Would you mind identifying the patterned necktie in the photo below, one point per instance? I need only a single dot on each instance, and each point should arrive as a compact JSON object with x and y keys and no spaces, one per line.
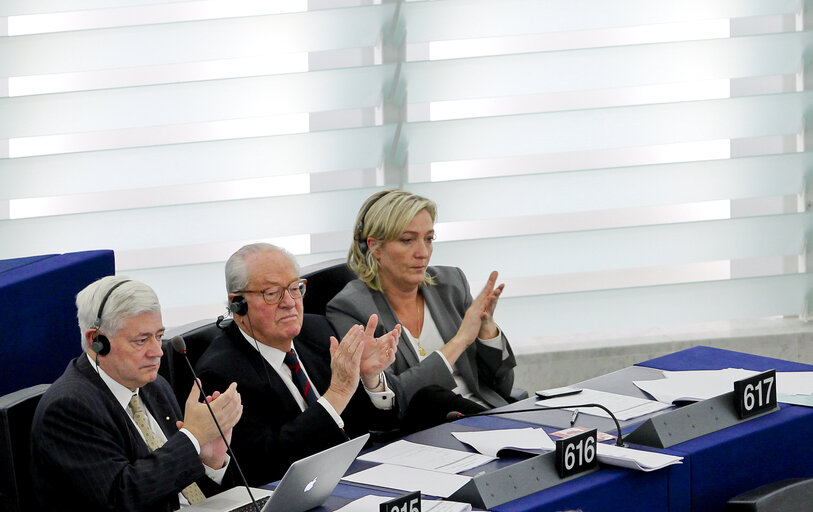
{"x":299,"y":377}
{"x":192,"y":493}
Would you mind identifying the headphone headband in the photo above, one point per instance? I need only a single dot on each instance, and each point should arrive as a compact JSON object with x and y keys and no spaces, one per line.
{"x":98,"y":322}
{"x":360,"y":227}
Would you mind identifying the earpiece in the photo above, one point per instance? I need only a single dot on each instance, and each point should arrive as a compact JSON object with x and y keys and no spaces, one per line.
{"x":101,"y":344}
{"x":239,"y":305}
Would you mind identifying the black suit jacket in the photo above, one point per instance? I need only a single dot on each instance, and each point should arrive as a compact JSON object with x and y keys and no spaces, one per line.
{"x":87,"y":454}
{"x":273,"y":431}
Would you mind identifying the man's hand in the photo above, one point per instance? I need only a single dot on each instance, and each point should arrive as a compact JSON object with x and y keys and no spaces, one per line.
{"x":213,"y":453}
{"x":345,"y":363}
{"x":226,"y":406}
{"x":379,"y":353}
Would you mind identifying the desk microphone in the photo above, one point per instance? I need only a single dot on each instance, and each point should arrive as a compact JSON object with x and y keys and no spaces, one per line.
{"x":179,"y":345}
{"x":454,"y":415}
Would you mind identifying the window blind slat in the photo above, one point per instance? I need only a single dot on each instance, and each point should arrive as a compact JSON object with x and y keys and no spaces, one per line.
{"x":160,"y":44}
{"x":657,"y":306}
{"x":605,"y":68}
{"x":629,"y":248}
{"x":462,"y":19}
{"x":584,"y":130}
{"x":178,"y":164}
{"x":599,"y":189}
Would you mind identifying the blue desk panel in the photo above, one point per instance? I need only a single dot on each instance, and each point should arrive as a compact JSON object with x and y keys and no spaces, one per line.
{"x":709,"y":358}
{"x":608,"y":490}
{"x":723,"y":464}
{"x":37,"y":308}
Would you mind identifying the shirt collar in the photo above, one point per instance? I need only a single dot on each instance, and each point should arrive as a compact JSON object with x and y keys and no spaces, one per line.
{"x":274,"y":356}
{"x":120,"y":392}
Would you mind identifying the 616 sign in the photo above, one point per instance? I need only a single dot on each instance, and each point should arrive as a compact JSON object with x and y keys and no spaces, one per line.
{"x":576,"y":453}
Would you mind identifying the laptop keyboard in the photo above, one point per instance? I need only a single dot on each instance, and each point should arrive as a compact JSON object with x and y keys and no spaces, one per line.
{"x":249,"y":507}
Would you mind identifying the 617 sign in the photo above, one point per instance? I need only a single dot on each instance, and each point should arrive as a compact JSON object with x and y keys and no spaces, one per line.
{"x":577,"y":453}
{"x":755,"y":394}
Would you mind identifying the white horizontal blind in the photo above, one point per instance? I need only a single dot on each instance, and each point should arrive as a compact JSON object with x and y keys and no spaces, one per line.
{"x":626,"y":164}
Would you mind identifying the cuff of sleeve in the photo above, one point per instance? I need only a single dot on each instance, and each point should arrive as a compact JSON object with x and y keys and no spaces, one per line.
{"x":445,"y":361}
{"x":217,"y":474}
{"x":330,"y":410}
{"x":498,"y":342}
{"x":382,"y":397}
{"x":495,"y":342}
{"x":193,"y":439}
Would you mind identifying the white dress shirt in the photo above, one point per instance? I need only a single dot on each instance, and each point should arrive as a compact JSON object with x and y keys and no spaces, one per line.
{"x":431,"y":341}
{"x":123,"y":395}
{"x":382,"y":397}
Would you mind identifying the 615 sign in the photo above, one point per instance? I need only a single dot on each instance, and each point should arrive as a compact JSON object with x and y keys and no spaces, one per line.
{"x":576,"y":453}
{"x":755,"y":394}
{"x":407,"y":503}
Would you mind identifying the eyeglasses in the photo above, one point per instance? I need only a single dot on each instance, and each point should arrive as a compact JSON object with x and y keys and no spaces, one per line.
{"x":272,"y":296}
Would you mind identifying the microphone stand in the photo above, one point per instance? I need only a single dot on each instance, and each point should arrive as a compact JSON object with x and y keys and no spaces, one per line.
{"x":454,"y":415}
{"x":179,"y":345}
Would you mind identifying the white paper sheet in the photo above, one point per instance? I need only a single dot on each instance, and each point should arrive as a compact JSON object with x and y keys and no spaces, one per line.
{"x":624,"y":407}
{"x":371,"y":502}
{"x":410,"y":479}
{"x":794,"y":383}
{"x":489,"y":442}
{"x":635,"y":459}
{"x":421,"y":456}
{"x":703,"y":384}
{"x":692,"y":385}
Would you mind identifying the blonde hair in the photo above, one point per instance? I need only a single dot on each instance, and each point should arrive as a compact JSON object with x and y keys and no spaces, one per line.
{"x":384,"y":216}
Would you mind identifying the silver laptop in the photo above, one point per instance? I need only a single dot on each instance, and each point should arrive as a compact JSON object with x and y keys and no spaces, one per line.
{"x":307,"y":484}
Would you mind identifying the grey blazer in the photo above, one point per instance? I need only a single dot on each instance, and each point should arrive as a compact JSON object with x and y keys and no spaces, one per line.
{"x":488,"y":375}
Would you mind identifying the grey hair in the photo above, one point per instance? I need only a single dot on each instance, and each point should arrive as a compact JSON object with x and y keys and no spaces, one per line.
{"x":128,"y":300}
{"x":237,"y":269}
{"x":384,"y":216}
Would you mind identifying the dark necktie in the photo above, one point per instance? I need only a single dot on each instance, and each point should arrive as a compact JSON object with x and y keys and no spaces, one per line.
{"x":299,"y":377}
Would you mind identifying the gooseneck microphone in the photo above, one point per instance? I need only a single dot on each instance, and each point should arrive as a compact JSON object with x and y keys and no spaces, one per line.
{"x":179,"y":345}
{"x":454,"y":415}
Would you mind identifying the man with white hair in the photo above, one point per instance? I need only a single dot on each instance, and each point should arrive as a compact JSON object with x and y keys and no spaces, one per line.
{"x":109,"y":434}
{"x":303,"y":390}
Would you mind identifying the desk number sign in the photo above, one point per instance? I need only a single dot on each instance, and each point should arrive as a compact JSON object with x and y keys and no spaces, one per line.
{"x":407,"y":503}
{"x":755,"y":394}
{"x":576,"y":453}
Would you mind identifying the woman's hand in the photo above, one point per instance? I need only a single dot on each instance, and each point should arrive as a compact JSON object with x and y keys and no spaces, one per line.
{"x":488,"y":327}
{"x":477,"y":322}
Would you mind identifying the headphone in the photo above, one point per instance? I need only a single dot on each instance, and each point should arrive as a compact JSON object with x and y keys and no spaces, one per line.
{"x":363,"y":247}
{"x":101,"y":345}
{"x":238,"y":305}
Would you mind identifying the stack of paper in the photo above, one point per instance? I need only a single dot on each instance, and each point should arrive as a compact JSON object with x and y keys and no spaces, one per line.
{"x":409,"y":479}
{"x":635,"y":459}
{"x":624,"y":407}
{"x":699,"y":385}
{"x":421,"y":456}
{"x":490,"y":442}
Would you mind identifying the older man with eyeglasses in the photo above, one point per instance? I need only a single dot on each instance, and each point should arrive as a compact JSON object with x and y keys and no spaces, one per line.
{"x":300,"y":387}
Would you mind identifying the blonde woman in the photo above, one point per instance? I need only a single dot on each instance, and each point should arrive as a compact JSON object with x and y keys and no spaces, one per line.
{"x":449,"y":340}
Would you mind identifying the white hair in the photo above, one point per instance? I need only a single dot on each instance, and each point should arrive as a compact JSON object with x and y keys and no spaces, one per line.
{"x":127,"y":300}
{"x":236,"y":267}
